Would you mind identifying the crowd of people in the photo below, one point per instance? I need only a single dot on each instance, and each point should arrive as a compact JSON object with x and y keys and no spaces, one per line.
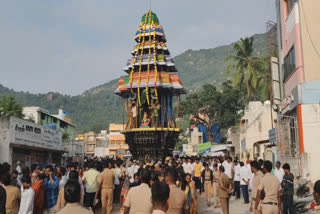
{"x":171,"y":186}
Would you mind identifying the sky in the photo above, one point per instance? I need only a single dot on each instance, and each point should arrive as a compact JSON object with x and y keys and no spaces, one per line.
{"x":69,"y":46}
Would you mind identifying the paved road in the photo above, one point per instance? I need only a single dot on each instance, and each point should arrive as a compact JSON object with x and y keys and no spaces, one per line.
{"x":236,"y":207}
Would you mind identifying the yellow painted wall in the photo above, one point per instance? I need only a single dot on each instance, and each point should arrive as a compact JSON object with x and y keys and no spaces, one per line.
{"x":310,"y":34}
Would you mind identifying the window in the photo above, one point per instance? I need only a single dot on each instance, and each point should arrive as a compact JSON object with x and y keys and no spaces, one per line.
{"x":54,"y":120}
{"x":289,"y":63}
{"x":290,"y":4}
{"x":63,"y":124}
{"x":43,"y":116}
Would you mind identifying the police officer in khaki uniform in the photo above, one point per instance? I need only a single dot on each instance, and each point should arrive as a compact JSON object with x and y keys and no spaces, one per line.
{"x":207,"y":177}
{"x":72,"y":195}
{"x":258,"y":175}
{"x":138,"y":199}
{"x":177,"y":198}
{"x":216,"y":177}
{"x":271,"y":187}
{"x":224,"y":190}
{"x":106,"y":185}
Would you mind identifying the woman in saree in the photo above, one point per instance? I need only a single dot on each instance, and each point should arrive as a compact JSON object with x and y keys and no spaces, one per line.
{"x":194,"y":199}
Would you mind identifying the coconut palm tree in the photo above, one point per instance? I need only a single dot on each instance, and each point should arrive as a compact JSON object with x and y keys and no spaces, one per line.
{"x":245,"y":68}
{"x":10,"y":107}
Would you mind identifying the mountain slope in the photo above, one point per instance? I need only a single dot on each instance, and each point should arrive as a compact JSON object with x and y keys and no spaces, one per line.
{"x":98,"y":106}
{"x":208,"y":65}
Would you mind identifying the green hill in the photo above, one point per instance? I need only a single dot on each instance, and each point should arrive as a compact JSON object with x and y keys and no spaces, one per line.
{"x":98,"y":106}
{"x":208,"y":65}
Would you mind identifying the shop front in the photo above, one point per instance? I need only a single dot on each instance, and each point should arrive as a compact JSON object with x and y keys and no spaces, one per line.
{"x":29,"y":143}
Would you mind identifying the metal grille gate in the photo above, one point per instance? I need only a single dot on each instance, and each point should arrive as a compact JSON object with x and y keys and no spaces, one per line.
{"x":288,"y":143}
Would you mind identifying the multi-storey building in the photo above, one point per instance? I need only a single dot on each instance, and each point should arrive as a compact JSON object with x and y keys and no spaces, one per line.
{"x":117,"y":141}
{"x":299,"y":109}
{"x":29,"y":143}
{"x":90,"y":143}
{"x":254,"y":136}
{"x":59,"y":122}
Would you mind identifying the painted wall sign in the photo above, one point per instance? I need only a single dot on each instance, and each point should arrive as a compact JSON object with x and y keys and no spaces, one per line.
{"x":204,"y":146}
{"x":30,"y":134}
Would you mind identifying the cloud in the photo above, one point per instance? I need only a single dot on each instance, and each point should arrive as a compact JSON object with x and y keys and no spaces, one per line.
{"x":70,"y":46}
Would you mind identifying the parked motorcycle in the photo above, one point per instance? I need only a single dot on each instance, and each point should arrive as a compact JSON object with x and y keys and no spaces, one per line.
{"x":304,"y":200}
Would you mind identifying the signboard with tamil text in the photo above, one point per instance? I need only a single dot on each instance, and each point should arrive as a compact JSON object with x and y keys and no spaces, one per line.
{"x":30,"y":134}
{"x":273,"y":135}
{"x":204,"y":147}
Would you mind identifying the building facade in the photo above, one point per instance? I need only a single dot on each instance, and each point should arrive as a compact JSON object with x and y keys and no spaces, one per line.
{"x":59,"y":122}
{"x":233,"y":138}
{"x":102,"y":143}
{"x":196,"y":137}
{"x":95,"y":144}
{"x":254,"y":127}
{"x":74,"y":152}
{"x":29,"y":143}
{"x":90,"y":143}
{"x":117,"y":141}
{"x":299,"y":64}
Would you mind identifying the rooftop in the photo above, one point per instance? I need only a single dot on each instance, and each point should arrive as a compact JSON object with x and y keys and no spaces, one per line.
{"x":38,"y":109}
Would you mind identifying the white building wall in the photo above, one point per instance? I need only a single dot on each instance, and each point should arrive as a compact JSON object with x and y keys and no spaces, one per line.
{"x":256,"y":128}
{"x":311,"y":139}
{"x":5,"y":152}
{"x":31,"y":112}
{"x":196,"y":137}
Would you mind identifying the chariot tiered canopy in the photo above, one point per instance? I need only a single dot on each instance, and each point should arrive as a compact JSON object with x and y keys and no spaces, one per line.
{"x":150,"y":88}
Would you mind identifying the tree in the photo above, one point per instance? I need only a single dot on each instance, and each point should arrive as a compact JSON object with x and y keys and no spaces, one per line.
{"x":263,"y":87}
{"x":65,"y":137}
{"x":211,"y":106}
{"x":31,"y":119}
{"x":246,"y":68}
{"x":10,"y":107}
{"x":182,"y":140}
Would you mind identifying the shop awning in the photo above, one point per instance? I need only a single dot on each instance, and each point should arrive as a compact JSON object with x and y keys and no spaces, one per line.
{"x":37,"y":148}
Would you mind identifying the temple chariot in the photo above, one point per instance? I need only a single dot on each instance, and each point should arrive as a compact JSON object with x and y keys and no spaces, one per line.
{"x":150,"y":94}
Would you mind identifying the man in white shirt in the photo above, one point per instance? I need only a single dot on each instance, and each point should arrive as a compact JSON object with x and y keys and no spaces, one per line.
{"x":27,"y":196}
{"x":278,"y":171}
{"x":236,"y":180}
{"x":193,"y":163}
{"x":227,"y":164}
{"x":249,"y":166}
{"x":184,"y":165}
{"x":132,"y":170}
{"x":64,"y":178}
{"x":248,"y":162}
{"x":189,"y":167}
{"x":136,"y":166}
{"x":90,"y":179}
{"x":244,"y":182}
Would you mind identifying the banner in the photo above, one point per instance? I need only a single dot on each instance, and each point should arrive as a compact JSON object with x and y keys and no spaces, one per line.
{"x":184,"y":147}
{"x":204,"y":146}
{"x":30,"y":134}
